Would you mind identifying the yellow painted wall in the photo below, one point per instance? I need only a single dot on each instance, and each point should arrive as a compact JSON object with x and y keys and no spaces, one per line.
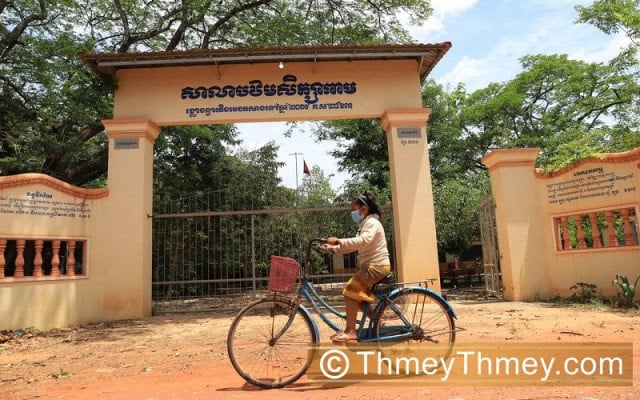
{"x":117,"y":283}
{"x":156,"y":93}
{"x":48,"y":302}
{"x":527,"y":200}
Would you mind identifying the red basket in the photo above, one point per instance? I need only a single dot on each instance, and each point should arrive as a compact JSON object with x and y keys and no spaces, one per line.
{"x":283,"y":274}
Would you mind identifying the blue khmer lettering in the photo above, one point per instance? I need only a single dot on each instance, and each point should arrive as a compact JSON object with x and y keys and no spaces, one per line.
{"x":255,"y":88}
{"x":43,"y":195}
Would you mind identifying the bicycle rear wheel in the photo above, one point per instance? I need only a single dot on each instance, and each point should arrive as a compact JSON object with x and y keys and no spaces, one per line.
{"x":264,"y":350}
{"x":427,"y":321}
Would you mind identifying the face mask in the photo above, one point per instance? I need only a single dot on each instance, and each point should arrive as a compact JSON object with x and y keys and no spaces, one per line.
{"x":356,"y":216}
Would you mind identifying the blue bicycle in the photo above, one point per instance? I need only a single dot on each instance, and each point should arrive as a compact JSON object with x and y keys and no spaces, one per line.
{"x":269,"y":340}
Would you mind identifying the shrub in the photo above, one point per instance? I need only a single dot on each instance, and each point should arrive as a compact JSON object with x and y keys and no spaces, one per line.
{"x":583,"y":292}
{"x":626,"y":291}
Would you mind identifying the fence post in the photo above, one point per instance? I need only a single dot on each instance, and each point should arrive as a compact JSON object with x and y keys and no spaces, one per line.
{"x":253,"y":254}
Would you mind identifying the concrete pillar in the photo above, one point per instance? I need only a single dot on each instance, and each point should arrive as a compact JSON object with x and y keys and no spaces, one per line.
{"x":521,"y":224}
{"x":413,"y":215}
{"x":127,"y":289}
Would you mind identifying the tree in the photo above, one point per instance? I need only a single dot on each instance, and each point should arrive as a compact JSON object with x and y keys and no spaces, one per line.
{"x":457,"y":202}
{"x":316,"y":191}
{"x":459,"y":180}
{"x":553,"y":104}
{"x":569,"y":108}
{"x":51,"y":105}
{"x":613,"y":16}
{"x":362,"y":148}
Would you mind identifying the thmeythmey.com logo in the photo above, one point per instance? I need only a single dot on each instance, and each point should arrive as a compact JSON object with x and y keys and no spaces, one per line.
{"x":477,"y":364}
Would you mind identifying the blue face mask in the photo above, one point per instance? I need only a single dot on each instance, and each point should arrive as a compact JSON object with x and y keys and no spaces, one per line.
{"x":356,"y":216}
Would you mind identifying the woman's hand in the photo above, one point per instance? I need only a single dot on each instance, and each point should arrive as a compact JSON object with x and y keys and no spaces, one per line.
{"x":332,"y":240}
{"x":329,"y":248}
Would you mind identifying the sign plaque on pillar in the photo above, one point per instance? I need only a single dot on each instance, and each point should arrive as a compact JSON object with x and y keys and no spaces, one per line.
{"x":409,"y":133}
{"x":126,"y":143}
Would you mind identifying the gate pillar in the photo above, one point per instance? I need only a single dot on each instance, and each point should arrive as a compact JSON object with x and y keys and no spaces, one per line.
{"x":414,"y":229}
{"x":520,"y":223}
{"x":127,"y":287}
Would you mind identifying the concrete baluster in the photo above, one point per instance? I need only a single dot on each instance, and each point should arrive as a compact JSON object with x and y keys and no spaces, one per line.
{"x":558,"y":234}
{"x":71,"y":258}
{"x":580,"y":232}
{"x":628,"y":229}
{"x":595,"y":231}
{"x":19,"y":272}
{"x":3,"y":245}
{"x":37,"y":261}
{"x":611,"y":232}
{"x":55,"y":260}
{"x":566,"y":238}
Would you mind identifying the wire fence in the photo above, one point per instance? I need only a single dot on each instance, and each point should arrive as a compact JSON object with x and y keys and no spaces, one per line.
{"x":211,"y":251}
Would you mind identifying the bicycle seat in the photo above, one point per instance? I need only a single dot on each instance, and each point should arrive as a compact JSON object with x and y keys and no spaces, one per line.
{"x":384,"y":285}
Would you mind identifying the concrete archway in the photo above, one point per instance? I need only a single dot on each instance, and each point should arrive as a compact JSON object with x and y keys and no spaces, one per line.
{"x":263,"y":84}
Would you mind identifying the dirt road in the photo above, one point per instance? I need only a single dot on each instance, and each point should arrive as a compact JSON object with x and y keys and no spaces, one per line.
{"x":184,"y":357}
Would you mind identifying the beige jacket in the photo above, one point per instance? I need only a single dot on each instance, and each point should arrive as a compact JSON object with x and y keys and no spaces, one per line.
{"x":370,"y":243}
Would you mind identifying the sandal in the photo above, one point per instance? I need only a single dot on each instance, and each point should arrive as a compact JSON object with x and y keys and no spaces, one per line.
{"x":344,"y":338}
{"x":336,"y":334}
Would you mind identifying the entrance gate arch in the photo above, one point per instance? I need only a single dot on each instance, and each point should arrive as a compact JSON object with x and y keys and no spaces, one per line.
{"x":219,"y":86}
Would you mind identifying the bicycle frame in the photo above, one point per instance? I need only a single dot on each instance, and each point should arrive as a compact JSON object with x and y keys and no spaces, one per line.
{"x":364,"y":334}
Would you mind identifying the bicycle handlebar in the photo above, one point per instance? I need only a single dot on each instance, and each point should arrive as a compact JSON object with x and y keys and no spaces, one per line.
{"x":315,"y":242}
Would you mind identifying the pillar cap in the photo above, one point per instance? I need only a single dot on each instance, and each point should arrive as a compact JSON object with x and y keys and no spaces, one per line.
{"x":405,"y":117}
{"x":511,"y":157}
{"x":131,"y":128}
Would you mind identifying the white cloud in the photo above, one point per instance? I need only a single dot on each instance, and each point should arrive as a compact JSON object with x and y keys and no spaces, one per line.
{"x":552,"y":32}
{"x":445,"y":7}
{"x":435,"y":25}
{"x":471,"y":71}
{"x":601,"y":51}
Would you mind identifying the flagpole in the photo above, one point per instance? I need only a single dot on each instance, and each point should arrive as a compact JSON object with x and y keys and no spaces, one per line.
{"x":296,"y":156}
{"x":300,"y":245}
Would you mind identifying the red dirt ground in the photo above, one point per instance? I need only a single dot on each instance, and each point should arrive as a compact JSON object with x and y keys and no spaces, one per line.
{"x":184,"y":357}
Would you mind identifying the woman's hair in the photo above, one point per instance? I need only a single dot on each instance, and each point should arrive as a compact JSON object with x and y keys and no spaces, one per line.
{"x":369,"y":200}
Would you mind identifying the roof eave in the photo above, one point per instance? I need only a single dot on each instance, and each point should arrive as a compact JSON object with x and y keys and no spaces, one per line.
{"x":426,"y":56}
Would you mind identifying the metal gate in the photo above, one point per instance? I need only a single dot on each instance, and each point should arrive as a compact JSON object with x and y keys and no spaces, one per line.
{"x":490,"y":251}
{"x":212,"y":250}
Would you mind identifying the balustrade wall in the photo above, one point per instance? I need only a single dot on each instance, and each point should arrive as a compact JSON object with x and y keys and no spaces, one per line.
{"x":41,"y":259}
{"x":556,"y":229}
{"x":596,"y":229}
{"x":54,"y":255}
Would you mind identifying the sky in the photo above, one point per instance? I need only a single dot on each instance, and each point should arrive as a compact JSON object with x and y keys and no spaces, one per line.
{"x":488,"y":38}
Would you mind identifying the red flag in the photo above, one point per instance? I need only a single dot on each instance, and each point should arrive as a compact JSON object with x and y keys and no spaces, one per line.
{"x":305,"y":168}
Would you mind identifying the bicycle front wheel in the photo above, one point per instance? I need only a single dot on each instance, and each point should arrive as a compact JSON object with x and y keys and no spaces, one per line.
{"x":417,"y":317}
{"x":268,"y":343}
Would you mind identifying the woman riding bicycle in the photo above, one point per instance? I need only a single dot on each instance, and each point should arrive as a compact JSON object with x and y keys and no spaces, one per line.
{"x":373,"y":260}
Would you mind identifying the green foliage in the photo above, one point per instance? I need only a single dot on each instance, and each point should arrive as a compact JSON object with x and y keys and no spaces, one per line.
{"x":362,"y":149}
{"x":626,"y":291}
{"x":569,"y":108}
{"x":51,"y":105}
{"x":613,"y":16}
{"x":457,"y":202}
{"x":583,"y":292}
{"x":316,"y":191}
